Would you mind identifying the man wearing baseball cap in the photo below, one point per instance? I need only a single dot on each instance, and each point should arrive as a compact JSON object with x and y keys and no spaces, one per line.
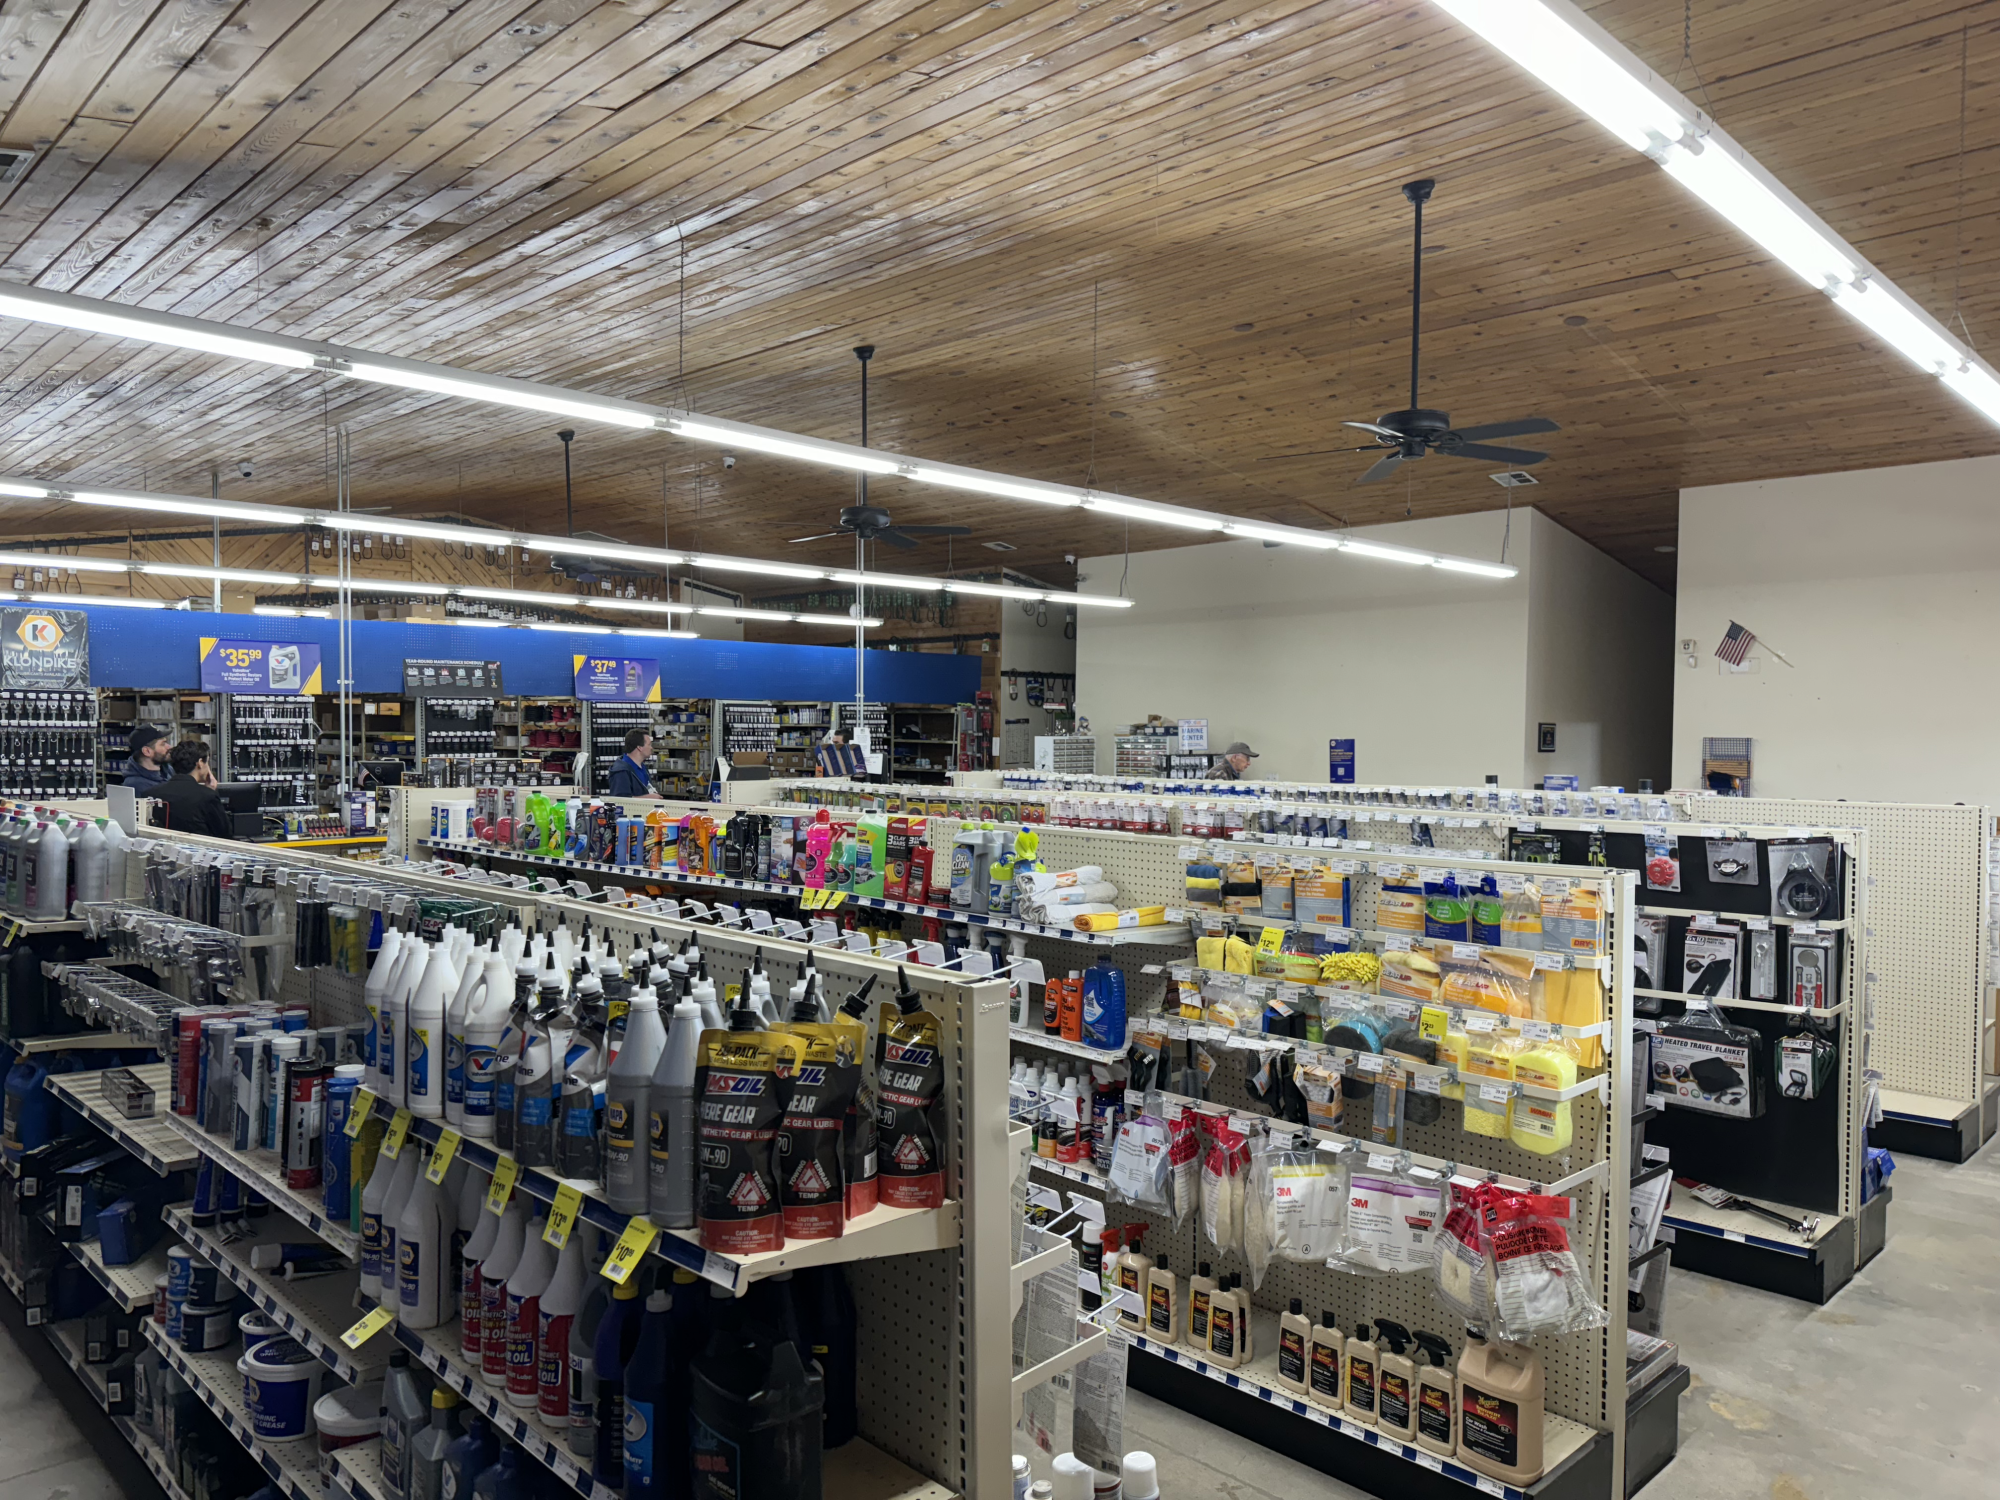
{"x":148,"y":768}
{"x":1234,"y":765}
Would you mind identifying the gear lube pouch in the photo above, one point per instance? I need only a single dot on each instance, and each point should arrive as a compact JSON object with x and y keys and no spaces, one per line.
{"x":909,"y":1068}
{"x":810,"y":1149}
{"x":739,"y":1100}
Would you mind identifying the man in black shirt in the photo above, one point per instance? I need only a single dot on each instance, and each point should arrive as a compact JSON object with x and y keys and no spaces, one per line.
{"x":192,"y":803}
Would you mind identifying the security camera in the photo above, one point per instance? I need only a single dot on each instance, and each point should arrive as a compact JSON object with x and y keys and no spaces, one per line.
{"x":246,"y":468}
{"x":729,"y":460}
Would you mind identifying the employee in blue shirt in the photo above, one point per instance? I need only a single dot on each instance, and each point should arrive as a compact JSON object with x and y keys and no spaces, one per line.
{"x":628,"y":772}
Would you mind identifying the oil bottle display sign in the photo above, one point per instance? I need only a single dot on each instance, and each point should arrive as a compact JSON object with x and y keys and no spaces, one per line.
{"x":617,"y":679}
{"x":284,"y":667}
{"x":44,"y":648}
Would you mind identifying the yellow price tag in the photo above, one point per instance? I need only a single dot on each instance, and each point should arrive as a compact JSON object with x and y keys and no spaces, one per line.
{"x":506,"y":1172}
{"x":813,"y":898}
{"x":562,"y":1216}
{"x":1433,"y":1023}
{"x":441,"y":1155}
{"x":631,"y":1248}
{"x":399,"y":1128}
{"x":1271,"y":941}
{"x":377,"y":1320}
{"x":834,"y":898}
{"x":357,"y":1114}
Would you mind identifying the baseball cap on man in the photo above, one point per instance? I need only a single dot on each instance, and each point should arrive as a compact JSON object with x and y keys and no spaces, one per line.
{"x":1239,"y":748}
{"x":143,"y":735}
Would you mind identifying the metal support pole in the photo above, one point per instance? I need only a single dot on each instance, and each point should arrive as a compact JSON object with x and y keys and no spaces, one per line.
{"x":569,"y":499}
{"x":344,"y":636}
{"x":215,"y":541}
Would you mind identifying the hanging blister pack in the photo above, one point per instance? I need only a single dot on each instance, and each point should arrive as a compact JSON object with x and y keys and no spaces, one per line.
{"x":1805,"y":879}
{"x":1463,"y":1274}
{"x":1806,"y":1065}
{"x":1295,"y":1197}
{"x":1663,"y":861}
{"x":1538,"y":1287}
{"x":1391,"y":1219}
{"x":1141,"y":1165}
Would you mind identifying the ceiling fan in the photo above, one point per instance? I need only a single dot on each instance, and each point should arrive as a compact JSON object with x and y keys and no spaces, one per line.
{"x":870,"y":523}
{"x":1416,"y":431}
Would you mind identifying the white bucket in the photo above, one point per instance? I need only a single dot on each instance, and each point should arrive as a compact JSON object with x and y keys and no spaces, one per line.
{"x":281,"y":1382}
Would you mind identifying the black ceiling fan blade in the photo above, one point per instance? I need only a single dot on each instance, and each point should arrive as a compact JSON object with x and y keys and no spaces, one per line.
{"x":935,"y":530}
{"x":1383,"y":469}
{"x":1278,"y":458}
{"x":820,"y":537}
{"x":1523,"y":456}
{"x":894,"y":538}
{"x":1519,"y":427}
{"x":1374,"y":427}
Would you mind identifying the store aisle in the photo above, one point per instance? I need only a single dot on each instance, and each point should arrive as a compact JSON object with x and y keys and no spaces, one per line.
{"x":1892,"y":1388}
{"x":43,"y":1453}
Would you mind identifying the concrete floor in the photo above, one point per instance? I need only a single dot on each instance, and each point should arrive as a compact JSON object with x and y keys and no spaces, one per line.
{"x":1894,"y":1387}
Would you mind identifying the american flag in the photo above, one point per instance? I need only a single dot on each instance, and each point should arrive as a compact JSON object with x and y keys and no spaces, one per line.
{"x":1736,"y":644}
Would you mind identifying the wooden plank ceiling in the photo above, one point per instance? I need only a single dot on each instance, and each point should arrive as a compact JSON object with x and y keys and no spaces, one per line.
{"x":1160,"y":244}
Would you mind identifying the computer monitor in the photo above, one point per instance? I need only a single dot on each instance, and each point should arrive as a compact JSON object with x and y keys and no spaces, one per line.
{"x":244,"y":801}
{"x":380,"y":773}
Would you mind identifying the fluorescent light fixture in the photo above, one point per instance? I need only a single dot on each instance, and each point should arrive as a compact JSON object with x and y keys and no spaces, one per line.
{"x":993,"y":484}
{"x":1477,"y":569}
{"x":1386,"y":554}
{"x":994,"y":590}
{"x":889,"y":581}
{"x":460,"y":620}
{"x":152,"y":328}
{"x":610,"y":551}
{"x":573,"y":629}
{"x":733,"y":613}
{"x":118,"y":599}
{"x":1285,"y":538}
{"x":168,"y":506}
{"x":510,"y":596}
{"x":667,"y":635}
{"x":434,"y":531}
{"x":848,"y":620}
{"x":751,"y":565}
{"x":500,"y":392}
{"x":225,"y":575}
{"x":640,"y":606}
{"x":1878,"y":309}
{"x":1560,"y":49}
{"x":285,"y":611}
{"x":1713,"y":172}
{"x":376,"y":586}
{"x":755,"y":440}
{"x":1107,"y":601}
{"x":55,"y":560}
{"x":1164,"y":515}
{"x":1976,"y":387}
{"x":24,"y":491}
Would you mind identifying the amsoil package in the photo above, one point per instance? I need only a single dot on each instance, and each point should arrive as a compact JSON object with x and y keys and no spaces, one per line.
{"x":825,"y":1074}
{"x":1702,"y":1062}
{"x":739,"y":1100}
{"x":909,"y":1072}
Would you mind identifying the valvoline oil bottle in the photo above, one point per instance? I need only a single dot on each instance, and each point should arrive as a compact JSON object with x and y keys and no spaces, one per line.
{"x":1104,"y":1006}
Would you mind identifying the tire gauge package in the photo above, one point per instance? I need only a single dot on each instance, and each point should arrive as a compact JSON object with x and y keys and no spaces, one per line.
{"x":1812,"y":977}
{"x":1702,"y":1062}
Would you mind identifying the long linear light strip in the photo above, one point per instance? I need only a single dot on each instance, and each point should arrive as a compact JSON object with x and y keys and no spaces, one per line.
{"x":1569,"y":52}
{"x":279,"y":515}
{"x":66,"y":310}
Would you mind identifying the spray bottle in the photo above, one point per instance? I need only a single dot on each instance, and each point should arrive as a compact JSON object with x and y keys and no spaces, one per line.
{"x":1396,"y":1392}
{"x":1437,"y":1397}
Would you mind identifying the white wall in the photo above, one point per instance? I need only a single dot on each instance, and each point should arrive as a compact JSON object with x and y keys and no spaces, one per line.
{"x":1599,"y":664}
{"x":1028,"y":643}
{"x":1883,"y":588}
{"x":1435,"y":676}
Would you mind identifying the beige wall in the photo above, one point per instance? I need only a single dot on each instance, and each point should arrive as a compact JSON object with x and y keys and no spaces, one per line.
{"x":1883,"y":588}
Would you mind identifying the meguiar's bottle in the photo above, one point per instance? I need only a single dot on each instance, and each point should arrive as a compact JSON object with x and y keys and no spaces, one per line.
{"x":1363,"y":1368}
{"x":1396,"y":1388}
{"x":1437,"y":1397}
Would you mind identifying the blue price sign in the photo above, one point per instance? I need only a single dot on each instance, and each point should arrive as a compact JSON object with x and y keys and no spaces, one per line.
{"x":259,"y":666}
{"x":1340,"y":762}
{"x":617,"y":679}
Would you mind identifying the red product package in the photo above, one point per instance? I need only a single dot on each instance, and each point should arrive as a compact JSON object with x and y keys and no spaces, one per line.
{"x":1538,"y":1287}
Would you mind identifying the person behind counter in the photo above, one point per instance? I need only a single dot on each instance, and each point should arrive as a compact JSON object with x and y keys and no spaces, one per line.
{"x":147,"y":767}
{"x":628,"y":773}
{"x":1234,"y":765}
{"x":192,"y":803}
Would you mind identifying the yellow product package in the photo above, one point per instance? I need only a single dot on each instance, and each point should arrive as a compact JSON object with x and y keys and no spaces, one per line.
{"x":1545,"y":1125}
{"x":1489,"y":1059}
{"x":1409,"y":976}
{"x":1400,"y":906}
{"x":1572,"y":916}
{"x":1208,"y":952}
{"x":1242,"y":890}
{"x":1496,"y":980}
{"x":1360,"y":970}
{"x":1238,"y":957}
{"x":1575,"y":997}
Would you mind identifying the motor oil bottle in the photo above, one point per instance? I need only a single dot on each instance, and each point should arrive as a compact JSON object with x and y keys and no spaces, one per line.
{"x":472,"y":1315}
{"x":617,"y":1337}
{"x":535,"y":1077}
{"x":470,"y":1454}
{"x":527,"y":1281}
{"x":387,"y":959}
{"x":426,"y":1460}
{"x":423,"y":1254}
{"x":423,"y":1037}
{"x":507,"y":1062}
{"x":671,"y":1124}
{"x":1326,"y":1356}
{"x":556,"y":1314}
{"x":581,"y":1397}
{"x":579,"y":1153}
{"x":1134,"y":1266}
{"x":401,"y":1181}
{"x":627,"y":1107}
{"x":374,"y":1197}
{"x":860,"y":1131}
{"x":650,"y":1454}
{"x":493,"y":1273}
{"x":1396,"y":1383}
{"x":739,"y":1094}
{"x":826,"y":1304}
{"x":484,"y":1037}
{"x":456,"y":1013}
{"x":503,"y":1479}
{"x":1363,"y":1368}
{"x":1500,"y":1414}
{"x":389,"y":1024}
{"x":1437,"y":1396}
{"x":909,"y":1071}
{"x":1201,"y":1298}
{"x":1295,"y":1348}
{"x":756,"y":1414}
{"x":702,"y":988}
{"x":1163,"y":1304}
{"x":404,"y":1415}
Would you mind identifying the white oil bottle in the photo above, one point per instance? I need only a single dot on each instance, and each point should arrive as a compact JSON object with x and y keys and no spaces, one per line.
{"x":1163,"y":1304}
{"x":1357,"y":1388}
{"x":1326,"y":1357}
{"x":1294,"y":1341}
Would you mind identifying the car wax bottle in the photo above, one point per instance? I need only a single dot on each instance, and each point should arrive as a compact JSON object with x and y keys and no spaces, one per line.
{"x":581,"y":1437}
{"x":826,"y":1307}
{"x":1223,"y":1340}
{"x":1326,"y":1355}
{"x":493,"y":1273}
{"x":557,"y":1314}
{"x":649,"y":1456}
{"x":525,"y":1284}
{"x":580,"y":1101}
{"x":671,"y":1123}
{"x":1201,"y":1298}
{"x":810,"y":1149}
{"x":1437,"y":1396}
{"x":1163,"y":1304}
{"x":860,"y":1134}
{"x":404,"y":1416}
{"x":1500,"y":1414}
{"x":627,"y":1105}
{"x":1294,"y":1340}
{"x":468,"y":1456}
{"x":427,"y":1453}
{"x":739,"y":1094}
{"x":756,"y":1414}
{"x":909,"y":1072}
{"x":1363,"y":1366}
{"x":1396,"y":1386}
{"x":617,"y":1337}
{"x":535,"y":1076}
